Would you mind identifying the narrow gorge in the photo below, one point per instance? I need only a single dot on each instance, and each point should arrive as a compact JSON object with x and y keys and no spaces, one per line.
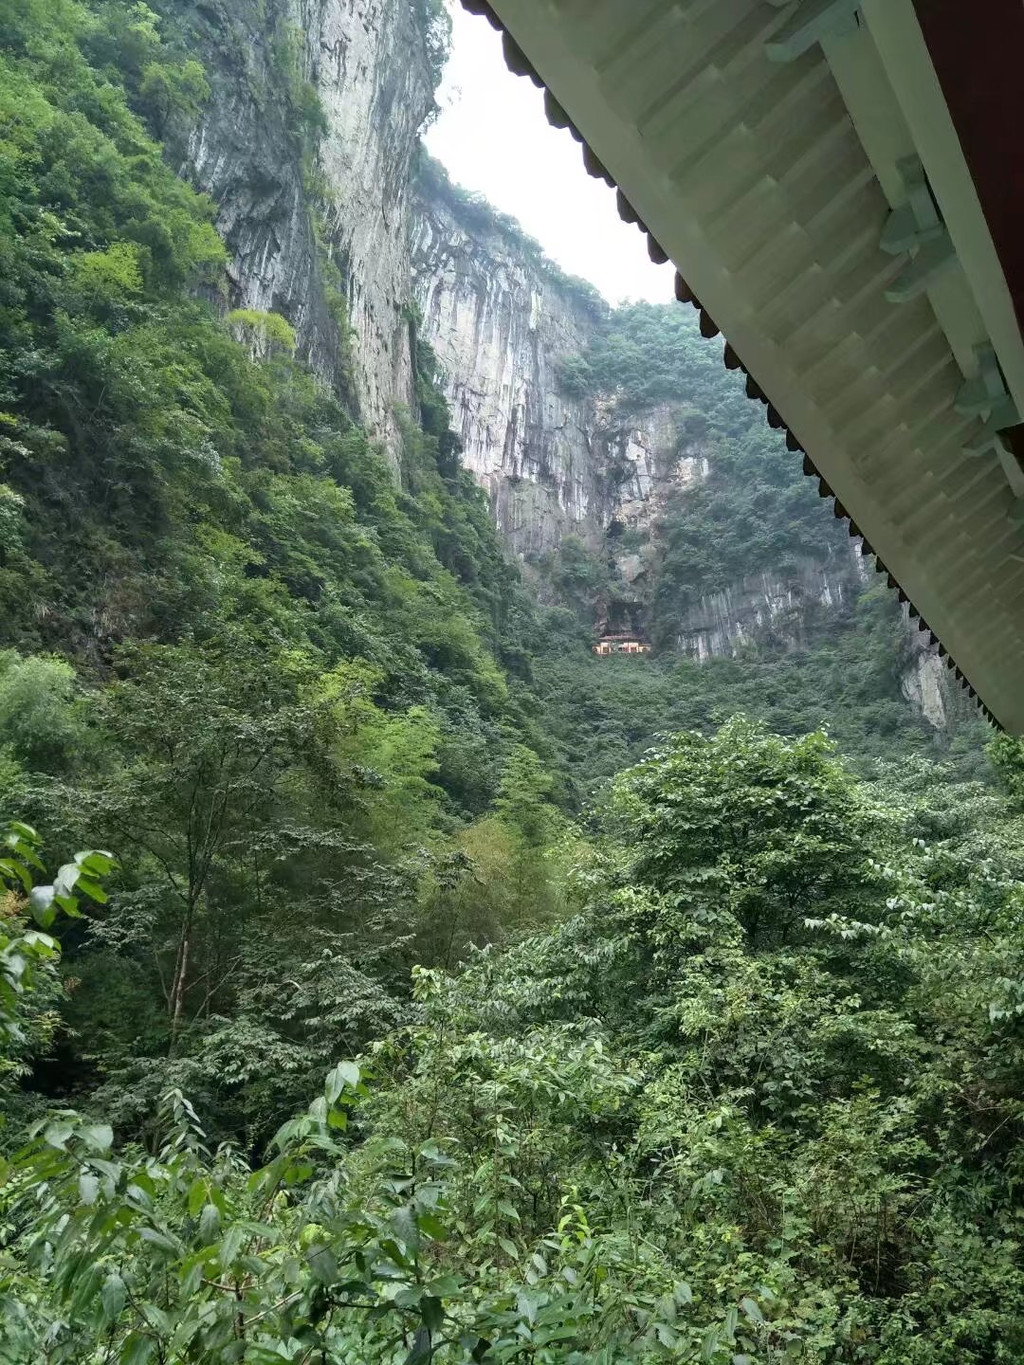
{"x":486,"y":872}
{"x":336,"y":219}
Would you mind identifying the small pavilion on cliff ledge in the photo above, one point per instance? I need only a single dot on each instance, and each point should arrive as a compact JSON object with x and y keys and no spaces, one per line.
{"x":840,"y":185}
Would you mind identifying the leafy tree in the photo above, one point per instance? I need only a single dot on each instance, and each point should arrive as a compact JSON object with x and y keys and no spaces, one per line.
{"x":747,"y":827}
{"x":41,"y":722}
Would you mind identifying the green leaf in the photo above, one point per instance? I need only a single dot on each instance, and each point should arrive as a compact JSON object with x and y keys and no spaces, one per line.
{"x":444,"y":1287}
{"x":344,"y":1076}
{"x":96,"y":862}
{"x":432,"y":1311}
{"x":112,"y":1297}
{"x":88,"y":1188}
{"x":66,"y":879}
{"x":41,"y":903}
{"x":432,"y":1226}
{"x":323,"y":1264}
{"x":98,"y":1137}
{"x":13,"y":869}
{"x":196,"y":1196}
{"x":403,"y":1221}
{"x":93,"y":890}
{"x":432,"y":1153}
{"x":160,"y":1240}
{"x":421,"y":1351}
{"x":209,"y":1224}
{"x":157,"y":1319}
{"x":138,"y":1349}
{"x":565,"y":1331}
{"x":57,"y":1134}
{"x":752,"y":1310}
{"x":231,"y":1245}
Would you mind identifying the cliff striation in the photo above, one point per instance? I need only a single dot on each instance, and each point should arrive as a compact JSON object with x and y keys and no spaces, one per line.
{"x":306,"y":147}
{"x":499,"y":321}
{"x":561,"y":453}
{"x":503,"y":322}
{"x":623,"y":467}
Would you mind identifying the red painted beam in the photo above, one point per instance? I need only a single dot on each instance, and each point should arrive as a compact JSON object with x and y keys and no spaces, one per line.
{"x":977,"y":49}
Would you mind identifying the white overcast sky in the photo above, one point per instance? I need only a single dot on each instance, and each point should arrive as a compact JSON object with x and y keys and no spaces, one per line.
{"x":493,"y":137}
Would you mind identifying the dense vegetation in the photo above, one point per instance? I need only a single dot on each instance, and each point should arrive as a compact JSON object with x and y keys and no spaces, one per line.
{"x":286,"y":688}
{"x":757,"y":1099}
{"x":605,"y":711}
{"x":755,"y":511}
{"x":752,"y":515}
{"x":724,"y":1064}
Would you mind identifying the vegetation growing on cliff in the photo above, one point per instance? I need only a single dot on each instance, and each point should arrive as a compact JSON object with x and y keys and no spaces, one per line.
{"x":237,"y":651}
{"x":755,"y":511}
{"x":483,"y":220}
{"x":751,"y":519}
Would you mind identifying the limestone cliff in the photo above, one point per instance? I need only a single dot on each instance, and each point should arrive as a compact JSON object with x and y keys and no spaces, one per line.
{"x":562,"y":461}
{"x":306,"y":147}
{"x":499,"y":321}
{"x":554,"y":462}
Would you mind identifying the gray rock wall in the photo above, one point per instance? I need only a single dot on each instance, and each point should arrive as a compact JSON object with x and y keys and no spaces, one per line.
{"x":767,"y":606}
{"x":555,"y":465}
{"x":321,"y":237}
{"x":499,"y":328}
{"x":500,"y":322}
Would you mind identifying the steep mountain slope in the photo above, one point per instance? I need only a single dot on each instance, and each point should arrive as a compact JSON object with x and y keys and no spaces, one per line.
{"x":634,"y":480}
{"x":306,"y":146}
{"x":623,"y":470}
{"x":279,"y":668}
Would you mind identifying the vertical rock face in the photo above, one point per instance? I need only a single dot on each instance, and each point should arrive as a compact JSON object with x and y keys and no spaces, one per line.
{"x":499,"y":325}
{"x":306,"y":148}
{"x":771,"y":608}
{"x":502,"y":322}
{"x":925,"y":681}
{"x":368,"y":60}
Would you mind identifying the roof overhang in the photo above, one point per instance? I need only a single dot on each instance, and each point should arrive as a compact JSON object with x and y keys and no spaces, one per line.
{"x":841,"y":203}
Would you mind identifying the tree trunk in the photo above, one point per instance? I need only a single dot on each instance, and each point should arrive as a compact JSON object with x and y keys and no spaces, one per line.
{"x":180,"y":982}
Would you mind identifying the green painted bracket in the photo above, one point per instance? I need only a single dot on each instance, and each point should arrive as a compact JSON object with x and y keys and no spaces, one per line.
{"x":1003,"y":415}
{"x":978,"y":396}
{"x":931,"y":259}
{"x":806,"y":23}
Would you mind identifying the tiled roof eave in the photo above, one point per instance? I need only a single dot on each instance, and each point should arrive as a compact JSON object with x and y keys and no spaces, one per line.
{"x":520,"y":65}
